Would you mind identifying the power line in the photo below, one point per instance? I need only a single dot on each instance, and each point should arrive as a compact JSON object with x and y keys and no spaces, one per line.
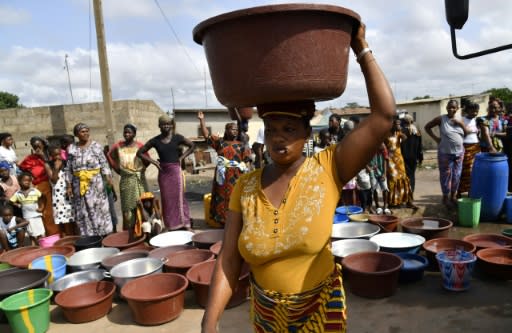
{"x":176,"y":36}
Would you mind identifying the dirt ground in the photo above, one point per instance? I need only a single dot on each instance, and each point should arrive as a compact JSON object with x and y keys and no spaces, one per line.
{"x":419,"y":307}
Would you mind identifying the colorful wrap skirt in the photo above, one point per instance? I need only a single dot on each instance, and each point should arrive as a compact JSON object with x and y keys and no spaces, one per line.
{"x":470,"y":151}
{"x":322,"y":309}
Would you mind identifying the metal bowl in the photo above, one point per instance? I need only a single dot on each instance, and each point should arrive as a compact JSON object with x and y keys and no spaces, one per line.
{"x":90,"y":258}
{"x":135,"y":268}
{"x":354,"y":230}
{"x":77,"y":278}
{"x":344,"y":247}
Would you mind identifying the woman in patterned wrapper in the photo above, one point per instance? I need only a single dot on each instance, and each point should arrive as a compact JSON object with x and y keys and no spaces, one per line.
{"x":168,"y":144}
{"x":123,"y":159}
{"x":85,"y":168}
{"x":62,"y":210}
{"x":232,"y":156}
{"x":280,"y":217}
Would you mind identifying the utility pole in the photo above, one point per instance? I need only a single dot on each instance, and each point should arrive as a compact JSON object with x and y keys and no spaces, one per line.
{"x":69,"y":79}
{"x":104,"y":71}
{"x":172,"y":96}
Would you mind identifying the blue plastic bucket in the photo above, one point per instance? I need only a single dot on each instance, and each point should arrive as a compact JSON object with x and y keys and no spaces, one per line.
{"x":489,"y":181}
{"x":507,"y":208}
{"x":340,"y":218}
{"x":54,"y":263}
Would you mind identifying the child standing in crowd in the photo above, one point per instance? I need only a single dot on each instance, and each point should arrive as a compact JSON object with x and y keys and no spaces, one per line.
{"x":148,"y":217}
{"x":8,"y":182}
{"x":364,"y":189}
{"x":379,"y":169}
{"x":12,"y":232}
{"x":62,"y":210}
{"x":32,"y":202}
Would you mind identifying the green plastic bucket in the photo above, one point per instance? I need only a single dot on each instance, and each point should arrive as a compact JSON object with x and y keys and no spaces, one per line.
{"x":469,"y":211}
{"x":4,"y":266}
{"x":28,"y":311}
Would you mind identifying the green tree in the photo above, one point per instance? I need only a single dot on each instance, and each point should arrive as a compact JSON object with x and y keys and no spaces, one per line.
{"x":504,"y":94}
{"x":420,"y":97}
{"x":352,"y":105}
{"x":8,"y":100}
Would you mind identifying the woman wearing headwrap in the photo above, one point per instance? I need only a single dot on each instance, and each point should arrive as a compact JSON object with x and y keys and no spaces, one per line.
{"x":280,"y":217}
{"x":8,"y":182}
{"x":232,"y":156}
{"x":85,"y":168}
{"x":123,"y":159}
{"x":35,"y":165}
{"x":168,"y":145}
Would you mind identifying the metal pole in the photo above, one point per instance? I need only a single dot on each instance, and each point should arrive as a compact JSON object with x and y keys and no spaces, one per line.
{"x":104,"y":71}
{"x":69,"y":79}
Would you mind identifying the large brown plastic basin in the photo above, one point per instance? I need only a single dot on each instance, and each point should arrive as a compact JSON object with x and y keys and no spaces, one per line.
{"x":372,"y":274}
{"x":121,"y":240}
{"x":278,"y":53}
{"x":200,"y":276}
{"x":156,"y":299}
{"x":86,"y":302}
{"x":24,"y":259}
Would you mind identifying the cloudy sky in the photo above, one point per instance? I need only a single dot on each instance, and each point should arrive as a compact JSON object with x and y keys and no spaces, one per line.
{"x":152,"y":55}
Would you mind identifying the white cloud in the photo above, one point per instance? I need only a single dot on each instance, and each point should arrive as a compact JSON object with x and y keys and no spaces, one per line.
{"x":410,"y":40}
{"x":12,"y":16}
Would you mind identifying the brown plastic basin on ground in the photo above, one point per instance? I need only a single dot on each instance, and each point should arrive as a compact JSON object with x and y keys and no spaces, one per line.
{"x":86,"y":302}
{"x":87,"y":242}
{"x":156,"y":299}
{"x":8,"y":255}
{"x":140,"y":246}
{"x":496,"y":262}
{"x":163,"y":252}
{"x":120,"y":240}
{"x":120,"y":257}
{"x":205,"y":239}
{"x":215,"y":248}
{"x":67,"y":240}
{"x":387,"y":223}
{"x":372,"y":274}
{"x":428,"y":227}
{"x":433,"y":246}
{"x":25,"y":258}
{"x":270,"y":53}
{"x":179,"y":262}
{"x":200,"y":276}
{"x":483,"y":240}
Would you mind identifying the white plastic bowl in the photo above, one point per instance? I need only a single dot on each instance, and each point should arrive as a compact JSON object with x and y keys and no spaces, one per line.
{"x":345,"y":247}
{"x":179,"y":237}
{"x":354,"y":230}
{"x":398,"y":242}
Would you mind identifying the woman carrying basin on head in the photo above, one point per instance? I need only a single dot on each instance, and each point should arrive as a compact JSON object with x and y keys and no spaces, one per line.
{"x":280,"y":217}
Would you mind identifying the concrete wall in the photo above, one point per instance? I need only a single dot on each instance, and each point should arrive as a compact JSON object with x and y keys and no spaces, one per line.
{"x":47,"y":121}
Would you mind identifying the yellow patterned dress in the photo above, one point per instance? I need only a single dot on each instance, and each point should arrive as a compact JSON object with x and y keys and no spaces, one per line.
{"x":296,"y":286}
{"x":399,"y":186}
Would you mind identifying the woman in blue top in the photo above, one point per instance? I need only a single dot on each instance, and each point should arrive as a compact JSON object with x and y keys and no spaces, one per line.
{"x":450,"y":151}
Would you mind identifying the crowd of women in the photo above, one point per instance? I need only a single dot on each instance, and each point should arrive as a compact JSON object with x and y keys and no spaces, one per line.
{"x":391,"y":171}
{"x":67,"y":189}
{"x":461,"y":138}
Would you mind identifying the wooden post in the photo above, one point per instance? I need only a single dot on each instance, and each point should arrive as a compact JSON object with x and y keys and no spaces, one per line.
{"x":104,"y":72}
